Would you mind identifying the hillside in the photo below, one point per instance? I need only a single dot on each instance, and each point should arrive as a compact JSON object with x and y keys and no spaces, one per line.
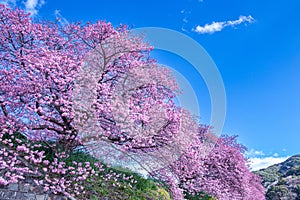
{"x":282,"y":180}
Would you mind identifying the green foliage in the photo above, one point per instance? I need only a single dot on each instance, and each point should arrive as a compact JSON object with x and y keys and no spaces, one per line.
{"x":270,"y":174}
{"x":141,"y":188}
{"x":49,"y":147}
{"x":283,"y":179}
{"x":277,"y":192}
{"x":46,"y":146}
{"x":79,"y":157}
{"x":118,"y":188}
{"x":297,"y":190}
{"x":295,"y":171}
{"x":282,"y":182}
{"x":14,"y":137}
{"x":112,"y":189}
{"x":198,"y":196}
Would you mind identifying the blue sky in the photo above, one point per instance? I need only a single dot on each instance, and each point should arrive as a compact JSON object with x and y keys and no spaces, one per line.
{"x":255,"y":45}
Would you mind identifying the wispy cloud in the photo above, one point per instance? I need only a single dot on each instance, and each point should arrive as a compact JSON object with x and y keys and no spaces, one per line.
{"x":275,"y":154}
{"x":32,"y":6}
{"x":185,"y":19}
{"x":219,"y":26}
{"x":254,"y":153}
{"x":260,"y":163}
{"x":183,"y":29}
{"x":63,"y":21}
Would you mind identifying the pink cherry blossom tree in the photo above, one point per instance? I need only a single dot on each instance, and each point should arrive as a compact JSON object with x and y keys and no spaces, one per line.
{"x":96,"y":85}
{"x":43,"y":70}
{"x":215,"y":166}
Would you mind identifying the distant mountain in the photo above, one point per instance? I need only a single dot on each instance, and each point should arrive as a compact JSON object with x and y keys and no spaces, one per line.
{"x":282,"y":180}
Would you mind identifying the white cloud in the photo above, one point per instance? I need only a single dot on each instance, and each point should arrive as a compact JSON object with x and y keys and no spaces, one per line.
{"x":183,"y":29}
{"x":32,"y":6}
{"x":63,"y":21}
{"x":185,"y":12}
{"x":254,"y":153}
{"x":275,"y":154}
{"x":260,"y":163}
{"x":218,"y":26}
{"x":185,"y":20}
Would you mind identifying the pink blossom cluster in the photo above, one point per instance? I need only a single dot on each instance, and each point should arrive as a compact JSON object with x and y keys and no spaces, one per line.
{"x":215,"y":166}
